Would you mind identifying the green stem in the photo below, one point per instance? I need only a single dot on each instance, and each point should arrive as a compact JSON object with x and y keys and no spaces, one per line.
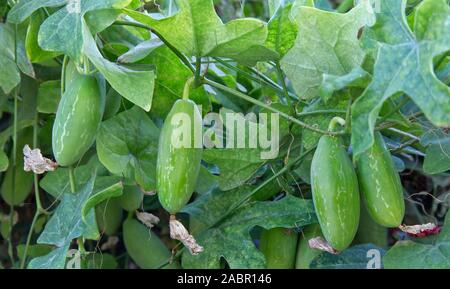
{"x":316,"y":112}
{"x":73,"y":186}
{"x":348,"y":114}
{"x":198,"y":69}
{"x":268,"y":107}
{"x":39,"y":208}
{"x":259,"y":78}
{"x":63,"y":74}
{"x":283,"y":84}
{"x":269,"y":81}
{"x":403,"y":133}
{"x":187,"y":87}
{"x":180,"y":55}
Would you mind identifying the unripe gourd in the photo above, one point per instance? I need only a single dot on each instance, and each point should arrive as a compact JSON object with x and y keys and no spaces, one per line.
{"x":145,"y":247}
{"x":279,"y":246}
{"x":77,"y":120}
{"x":335,"y":192}
{"x":380,"y":184}
{"x":179,"y":159}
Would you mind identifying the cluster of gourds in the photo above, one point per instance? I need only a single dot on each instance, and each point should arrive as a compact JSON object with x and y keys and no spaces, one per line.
{"x":78,"y":118}
{"x":334,"y":181}
{"x":336,"y":186}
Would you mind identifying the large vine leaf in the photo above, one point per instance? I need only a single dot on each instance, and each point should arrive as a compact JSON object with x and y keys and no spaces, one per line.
{"x":231,"y":239}
{"x":62,"y":31}
{"x":65,"y":225}
{"x":135,"y":85}
{"x":412,"y":255}
{"x":197,"y":30}
{"x":127,"y":145}
{"x":320,"y":50}
{"x":236,"y":165}
{"x":171,"y":76}
{"x":9,"y":74}
{"x":405,"y":64}
{"x":56,"y":183}
{"x":282,"y":31}
{"x":56,"y":259}
{"x":437,"y":159}
{"x":356,"y":257}
{"x":25,"y":8}
{"x":208,"y":209}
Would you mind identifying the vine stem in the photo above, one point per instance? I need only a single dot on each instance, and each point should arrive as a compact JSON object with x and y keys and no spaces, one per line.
{"x":39,"y":208}
{"x":73,"y":187}
{"x":14,"y":160}
{"x":187,"y":87}
{"x":268,"y":107}
{"x":331,"y":111}
{"x":63,"y":74}
{"x":283,"y":84}
{"x":198,"y":69}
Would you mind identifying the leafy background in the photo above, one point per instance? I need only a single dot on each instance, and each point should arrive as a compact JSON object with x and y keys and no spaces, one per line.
{"x":384,"y":70}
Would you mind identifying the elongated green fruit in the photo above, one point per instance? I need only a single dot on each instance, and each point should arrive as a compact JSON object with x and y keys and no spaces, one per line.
{"x":144,"y":246}
{"x":109,"y":216}
{"x":279,"y":246}
{"x":77,"y":119}
{"x":305,"y":254}
{"x":23,"y":180}
{"x":381,"y":185}
{"x":179,"y":160}
{"x":335,"y":192}
{"x":369,"y":231}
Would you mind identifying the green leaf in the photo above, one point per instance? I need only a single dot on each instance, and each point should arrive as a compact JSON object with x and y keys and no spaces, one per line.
{"x":56,"y":259}
{"x":140,"y":51}
{"x":236,"y":165}
{"x":49,"y":95}
{"x":63,"y":30}
{"x":4,"y":161}
{"x":24,"y":9}
{"x":208,"y":209}
{"x":231,"y":239}
{"x":34,"y":52}
{"x":171,"y":76}
{"x":127,"y":145}
{"x":437,"y":159}
{"x":136,"y":86}
{"x":56,"y":183}
{"x":106,"y":187}
{"x":9,"y":74}
{"x":411,"y":255}
{"x":405,"y":64}
{"x":66,"y":223}
{"x":358,"y":77}
{"x":319,"y":50}
{"x":197,"y":30}
{"x":356,"y":257}
{"x":282,"y":32}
